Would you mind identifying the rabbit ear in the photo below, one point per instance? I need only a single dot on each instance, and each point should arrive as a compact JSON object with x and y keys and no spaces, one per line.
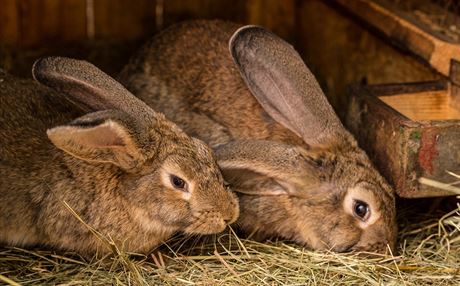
{"x":100,"y":137}
{"x":283,"y":85}
{"x":263,"y":167}
{"x":85,"y":84}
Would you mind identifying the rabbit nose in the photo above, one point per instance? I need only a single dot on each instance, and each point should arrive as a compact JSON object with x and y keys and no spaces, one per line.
{"x":230,"y":215}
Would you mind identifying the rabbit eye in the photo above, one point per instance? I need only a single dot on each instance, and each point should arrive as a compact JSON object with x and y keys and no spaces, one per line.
{"x":226,"y":185}
{"x":361,"y":210}
{"x":177,"y":182}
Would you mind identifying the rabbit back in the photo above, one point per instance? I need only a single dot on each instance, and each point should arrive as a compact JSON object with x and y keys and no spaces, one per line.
{"x":27,"y":109}
{"x":205,"y":89}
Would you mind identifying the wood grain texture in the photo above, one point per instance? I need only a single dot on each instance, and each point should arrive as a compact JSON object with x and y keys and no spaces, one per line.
{"x":9,"y":23}
{"x":41,"y":21}
{"x":121,"y":19}
{"x":423,"y":106}
{"x":179,"y":10}
{"x":72,"y":20}
{"x":278,"y":16}
{"x":436,"y":51}
{"x":31,"y":23}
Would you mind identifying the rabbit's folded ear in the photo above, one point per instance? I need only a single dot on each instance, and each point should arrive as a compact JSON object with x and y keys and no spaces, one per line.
{"x":102,"y":137}
{"x":261,"y":167}
{"x":283,"y":85}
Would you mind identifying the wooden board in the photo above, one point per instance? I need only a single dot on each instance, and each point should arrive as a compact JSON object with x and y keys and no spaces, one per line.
{"x":428,"y":105}
{"x":121,"y":19}
{"x":32,"y":23}
{"x":9,"y":23}
{"x":432,"y":48}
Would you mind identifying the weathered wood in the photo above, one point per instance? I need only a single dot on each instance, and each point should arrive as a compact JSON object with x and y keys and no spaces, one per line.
{"x":455,"y":80}
{"x":9,"y":23}
{"x":420,"y":106}
{"x":340,"y":51}
{"x":278,"y":16}
{"x":72,"y":21}
{"x":179,"y":10}
{"x":432,"y":48}
{"x":41,"y":21}
{"x":121,"y":19}
{"x":29,"y":21}
{"x":410,"y":87}
{"x":404,"y":150}
{"x":33,"y":23}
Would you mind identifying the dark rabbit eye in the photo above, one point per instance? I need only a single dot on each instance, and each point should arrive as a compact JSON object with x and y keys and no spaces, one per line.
{"x":226,"y":185}
{"x":177,"y":182}
{"x":361,"y":210}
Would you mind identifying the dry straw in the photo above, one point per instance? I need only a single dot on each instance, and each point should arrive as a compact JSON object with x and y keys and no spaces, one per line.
{"x":428,"y":254}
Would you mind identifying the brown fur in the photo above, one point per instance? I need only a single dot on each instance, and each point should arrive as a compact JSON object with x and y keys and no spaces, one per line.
{"x":292,"y":171}
{"x":112,"y":180}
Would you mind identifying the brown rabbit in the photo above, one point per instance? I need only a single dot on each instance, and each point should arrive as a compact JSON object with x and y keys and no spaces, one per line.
{"x":299,"y":174}
{"x":128,"y":172}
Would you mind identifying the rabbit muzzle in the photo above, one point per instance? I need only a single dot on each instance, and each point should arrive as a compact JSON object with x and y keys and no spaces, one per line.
{"x":222,"y":209}
{"x":207,"y":222}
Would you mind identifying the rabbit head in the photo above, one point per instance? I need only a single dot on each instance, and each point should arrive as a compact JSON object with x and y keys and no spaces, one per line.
{"x":147,"y":177}
{"x":173,"y":178}
{"x":325,"y":194}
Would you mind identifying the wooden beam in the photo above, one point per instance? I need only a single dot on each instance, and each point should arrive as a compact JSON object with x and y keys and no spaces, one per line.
{"x":435,"y":50}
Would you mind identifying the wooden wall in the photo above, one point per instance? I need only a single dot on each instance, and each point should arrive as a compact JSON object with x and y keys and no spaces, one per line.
{"x":107,"y":32}
{"x":32,"y":23}
{"x":29,"y":23}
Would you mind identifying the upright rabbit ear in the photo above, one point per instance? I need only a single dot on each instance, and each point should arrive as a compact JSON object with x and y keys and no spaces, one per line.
{"x":283,"y":85}
{"x":103,"y":136}
{"x":261,"y":167}
{"x":87,"y":85}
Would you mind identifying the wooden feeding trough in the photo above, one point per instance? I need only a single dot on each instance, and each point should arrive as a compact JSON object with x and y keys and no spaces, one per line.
{"x":411,"y":131}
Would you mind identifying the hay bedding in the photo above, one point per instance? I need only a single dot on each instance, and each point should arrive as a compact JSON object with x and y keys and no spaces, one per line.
{"x":428,"y":254}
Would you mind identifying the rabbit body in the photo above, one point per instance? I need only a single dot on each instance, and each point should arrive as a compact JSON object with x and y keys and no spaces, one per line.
{"x":298,"y":173}
{"x":108,"y":168}
{"x":187,"y":72}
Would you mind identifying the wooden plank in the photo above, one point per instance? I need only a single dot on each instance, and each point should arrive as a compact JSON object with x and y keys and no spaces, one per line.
{"x":30,"y":19}
{"x":49,"y":20}
{"x":30,"y":23}
{"x":39,"y":21}
{"x":121,"y":19}
{"x":179,"y":10}
{"x":422,"y":106}
{"x":277,"y":16}
{"x":9,"y":23}
{"x":410,"y":87}
{"x":72,"y":20}
{"x":436,"y":51}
